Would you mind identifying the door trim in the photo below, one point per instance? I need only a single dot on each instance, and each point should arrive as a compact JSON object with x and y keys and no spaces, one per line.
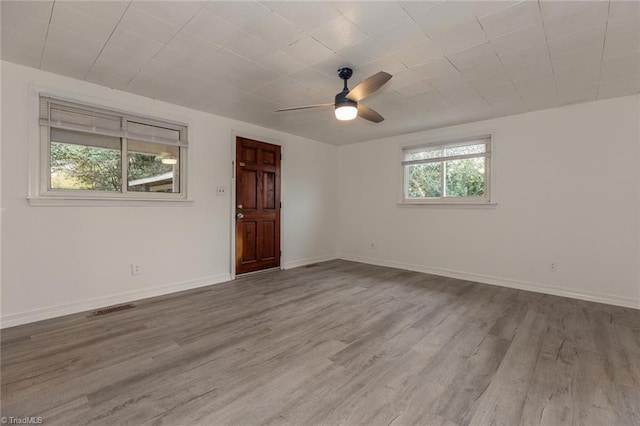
{"x":232,"y":206}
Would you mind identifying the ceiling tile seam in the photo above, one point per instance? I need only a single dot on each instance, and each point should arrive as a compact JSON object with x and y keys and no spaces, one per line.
{"x":369,"y":35}
{"x":604,"y":43}
{"x":277,"y":50}
{"x":474,"y":88}
{"x":310,"y":35}
{"x":407,"y":12}
{"x":167,"y":43}
{"x":499,"y":59}
{"x":387,"y":55}
{"x":107,"y":41}
{"x":446,"y":57}
{"x":449,"y":100}
{"x":304,"y":32}
{"x":546,"y":39}
{"x":266,"y":99}
{"x":244,"y":30}
{"x":288,"y":45}
{"x":225,"y":49}
{"x":503,"y":66}
{"x":419,"y":27}
{"x":46,"y":36}
{"x":317,"y":41}
{"x":422,"y":31}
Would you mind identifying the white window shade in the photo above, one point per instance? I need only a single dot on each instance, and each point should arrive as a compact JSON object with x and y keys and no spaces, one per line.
{"x":154,"y":133}
{"x":55,"y":113}
{"x":76,"y":117}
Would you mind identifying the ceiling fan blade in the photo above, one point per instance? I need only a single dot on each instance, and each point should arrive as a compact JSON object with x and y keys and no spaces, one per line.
{"x":368,"y":86}
{"x":305,"y":107}
{"x":369,"y":114}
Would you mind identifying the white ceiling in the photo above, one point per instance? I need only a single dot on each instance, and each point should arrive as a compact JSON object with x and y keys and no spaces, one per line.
{"x":452,"y":61}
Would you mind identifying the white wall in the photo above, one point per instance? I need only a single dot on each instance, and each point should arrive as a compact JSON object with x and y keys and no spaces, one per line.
{"x":567,"y":190}
{"x":57,"y":260}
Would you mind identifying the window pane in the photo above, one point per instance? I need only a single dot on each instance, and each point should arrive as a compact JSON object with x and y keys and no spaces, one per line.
{"x":466,"y":149}
{"x":423,"y":154}
{"x":428,"y":153}
{"x":465,"y":178}
{"x":153,"y":167}
{"x":424,"y":180}
{"x":85,"y":161}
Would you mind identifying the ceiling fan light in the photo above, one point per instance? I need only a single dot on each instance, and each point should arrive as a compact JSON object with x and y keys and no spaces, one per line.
{"x":346,"y":112}
{"x":169,"y":160}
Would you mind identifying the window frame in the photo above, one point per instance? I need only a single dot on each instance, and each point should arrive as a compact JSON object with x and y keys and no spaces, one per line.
{"x":40,"y":191}
{"x":488,"y":199}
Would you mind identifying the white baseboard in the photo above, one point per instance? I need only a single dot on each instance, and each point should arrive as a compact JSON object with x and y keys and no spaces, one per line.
{"x":627,"y":302}
{"x":11,"y":320}
{"x":308,"y":261}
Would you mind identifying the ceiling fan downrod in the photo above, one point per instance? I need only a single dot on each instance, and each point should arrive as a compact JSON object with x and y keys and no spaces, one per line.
{"x":345,"y":109}
{"x":345,"y":74}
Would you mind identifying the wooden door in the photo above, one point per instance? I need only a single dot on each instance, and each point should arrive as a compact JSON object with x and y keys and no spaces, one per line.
{"x":257,"y":205}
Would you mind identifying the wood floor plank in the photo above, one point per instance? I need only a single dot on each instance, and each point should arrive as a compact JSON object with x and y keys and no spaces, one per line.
{"x":337,"y":343}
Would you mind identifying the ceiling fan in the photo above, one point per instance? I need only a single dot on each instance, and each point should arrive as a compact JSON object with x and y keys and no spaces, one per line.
{"x":346,"y":102}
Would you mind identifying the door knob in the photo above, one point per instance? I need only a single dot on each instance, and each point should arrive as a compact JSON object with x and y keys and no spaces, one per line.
{"x":239,"y":215}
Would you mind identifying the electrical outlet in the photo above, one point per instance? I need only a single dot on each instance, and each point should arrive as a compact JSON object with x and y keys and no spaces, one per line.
{"x":372,"y":244}
{"x":135,"y":269}
{"x":220,"y":190}
{"x":553,"y":266}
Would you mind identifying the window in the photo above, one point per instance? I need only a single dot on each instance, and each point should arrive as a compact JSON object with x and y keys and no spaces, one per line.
{"x":94,"y":153}
{"x":449,"y":172}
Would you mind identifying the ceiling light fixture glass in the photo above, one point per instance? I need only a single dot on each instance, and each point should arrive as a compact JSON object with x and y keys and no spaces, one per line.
{"x":346,"y":112}
{"x":169,"y":160}
{"x":346,"y":109}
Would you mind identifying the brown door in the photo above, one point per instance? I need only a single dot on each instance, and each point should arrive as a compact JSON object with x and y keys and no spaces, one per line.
{"x":257,"y":205}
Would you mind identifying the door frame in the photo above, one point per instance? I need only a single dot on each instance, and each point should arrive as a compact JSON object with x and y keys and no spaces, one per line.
{"x":232,"y":207}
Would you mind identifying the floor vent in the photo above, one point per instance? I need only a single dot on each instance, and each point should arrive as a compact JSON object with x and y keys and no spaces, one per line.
{"x":312,"y":265}
{"x":112,"y":309}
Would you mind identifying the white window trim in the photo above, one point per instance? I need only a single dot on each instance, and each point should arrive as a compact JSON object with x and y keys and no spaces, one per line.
{"x":442,"y":141}
{"x":39,"y":170}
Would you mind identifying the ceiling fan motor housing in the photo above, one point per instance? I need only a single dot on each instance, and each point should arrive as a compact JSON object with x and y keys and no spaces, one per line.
{"x":341,"y":100}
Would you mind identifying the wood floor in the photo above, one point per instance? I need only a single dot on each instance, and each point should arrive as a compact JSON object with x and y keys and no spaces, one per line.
{"x":337,"y":343}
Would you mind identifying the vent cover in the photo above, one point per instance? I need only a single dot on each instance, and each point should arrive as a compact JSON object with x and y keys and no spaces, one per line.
{"x":112,"y":309}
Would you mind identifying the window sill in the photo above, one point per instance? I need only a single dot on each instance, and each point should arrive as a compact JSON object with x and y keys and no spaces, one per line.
{"x":445,"y":204}
{"x":105,"y":202}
